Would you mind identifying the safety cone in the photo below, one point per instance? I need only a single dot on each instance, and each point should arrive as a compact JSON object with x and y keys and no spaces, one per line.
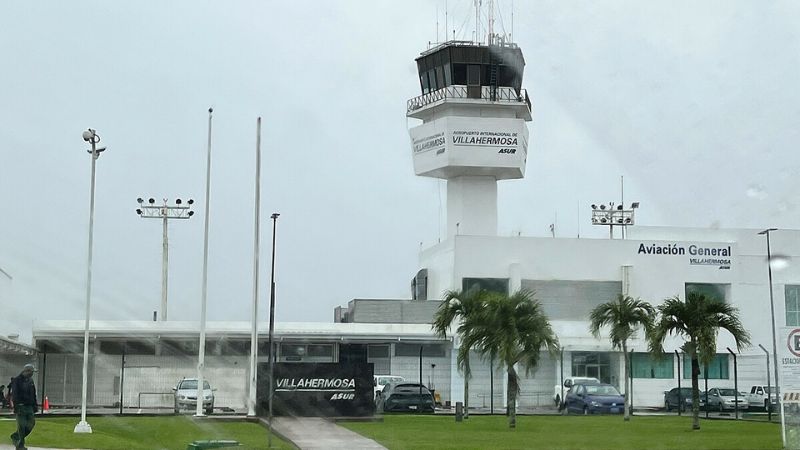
{"x":46,"y":405}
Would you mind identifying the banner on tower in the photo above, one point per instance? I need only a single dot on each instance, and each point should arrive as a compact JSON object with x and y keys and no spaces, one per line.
{"x":455,"y":146}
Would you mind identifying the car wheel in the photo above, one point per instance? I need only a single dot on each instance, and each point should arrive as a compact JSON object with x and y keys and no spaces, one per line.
{"x":558,"y":401}
{"x":721,"y":409}
{"x":666,"y":406}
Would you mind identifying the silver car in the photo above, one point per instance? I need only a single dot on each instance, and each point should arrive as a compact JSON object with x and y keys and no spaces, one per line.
{"x":186,"y":395}
{"x":723,"y":399}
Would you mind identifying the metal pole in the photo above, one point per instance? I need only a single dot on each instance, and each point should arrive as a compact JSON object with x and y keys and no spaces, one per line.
{"x":419,"y":399}
{"x":735,"y":384}
{"x":630,"y":365}
{"x":769,"y":388}
{"x":561,"y":399}
{"x":164,"y":266}
{"x":705,"y":376}
{"x":680,"y":394}
{"x":491,"y":385}
{"x":201,"y":356}
{"x":778,"y":398}
{"x":251,"y":404}
{"x":274,"y":217}
{"x":44,"y":378}
{"x":83,"y":426}
{"x":122,"y":380}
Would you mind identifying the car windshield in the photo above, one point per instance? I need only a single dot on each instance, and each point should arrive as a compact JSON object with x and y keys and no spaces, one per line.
{"x":727,"y":392}
{"x":192,"y":384}
{"x":601,"y":390}
{"x":383,"y":381}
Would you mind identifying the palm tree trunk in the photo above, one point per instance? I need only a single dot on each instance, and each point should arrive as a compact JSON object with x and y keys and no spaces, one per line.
{"x":512,"y":397}
{"x":627,"y":415}
{"x":695,"y":393}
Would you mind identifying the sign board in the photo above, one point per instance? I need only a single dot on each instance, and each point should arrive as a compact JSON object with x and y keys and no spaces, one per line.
{"x":318,"y":389}
{"x":789,"y":362}
{"x":700,"y":254}
{"x":454,"y":146}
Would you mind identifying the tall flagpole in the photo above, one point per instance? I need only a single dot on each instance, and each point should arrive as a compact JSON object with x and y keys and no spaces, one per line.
{"x":202,"y":353}
{"x":251,"y":404}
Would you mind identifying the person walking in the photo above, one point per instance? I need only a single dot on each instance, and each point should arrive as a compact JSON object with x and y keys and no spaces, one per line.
{"x":23,"y":396}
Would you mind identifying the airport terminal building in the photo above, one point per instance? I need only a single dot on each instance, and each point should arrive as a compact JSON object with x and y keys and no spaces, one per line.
{"x":471,"y":130}
{"x":569,"y":277}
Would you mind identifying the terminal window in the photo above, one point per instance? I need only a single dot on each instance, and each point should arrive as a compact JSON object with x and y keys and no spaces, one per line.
{"x":643,"y":365}
{"x":792,"y":305}
{"x":717,"y":369}
{"x":710,"y":290}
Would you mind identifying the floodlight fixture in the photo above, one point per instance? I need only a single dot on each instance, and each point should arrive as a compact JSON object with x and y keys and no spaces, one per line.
{"x":619,"y":207}
{"x":594,"y":206}
{"x":191,"y":201}
{"x":164,"y":212}
{"x":634,"y":205}
{"x":602,"y":206}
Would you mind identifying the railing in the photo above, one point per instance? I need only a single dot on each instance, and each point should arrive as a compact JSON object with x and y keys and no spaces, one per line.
{"x":502,"y":95}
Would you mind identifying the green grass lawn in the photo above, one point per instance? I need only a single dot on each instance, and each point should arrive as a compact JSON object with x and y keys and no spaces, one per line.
{"x":567,"y":432}
{"x":133,"y":433}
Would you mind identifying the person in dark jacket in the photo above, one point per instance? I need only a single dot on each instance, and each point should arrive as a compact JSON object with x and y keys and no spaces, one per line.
{"x":23,"y":395}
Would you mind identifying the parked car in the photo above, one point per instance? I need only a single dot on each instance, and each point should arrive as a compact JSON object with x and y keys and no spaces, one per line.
{"x":380,"y":381}
{"x":725,"y":399}
{"x":404,"y":396}
{"x":672,"y":399}
{"x":568,"y":382}
{"x":594,"y":398}
{"x":185,"y":394}
{"x":757,"y":398}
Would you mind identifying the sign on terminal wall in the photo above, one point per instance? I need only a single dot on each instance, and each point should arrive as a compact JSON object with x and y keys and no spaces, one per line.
{"x":706,"y":254}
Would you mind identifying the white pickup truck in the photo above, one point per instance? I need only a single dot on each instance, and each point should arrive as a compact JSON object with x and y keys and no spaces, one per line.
{"x":560,"y":392}
{"x":757,"y":397}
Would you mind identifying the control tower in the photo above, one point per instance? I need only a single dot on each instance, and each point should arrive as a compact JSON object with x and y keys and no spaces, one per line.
{"x":473,"y":132}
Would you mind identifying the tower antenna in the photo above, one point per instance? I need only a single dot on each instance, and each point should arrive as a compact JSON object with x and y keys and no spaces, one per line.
{"x":491,"y":22}
{"x":445,"y":20}
{"x":477,"y":20}
{"x":437,"y":25}
{"x":511,"y":36}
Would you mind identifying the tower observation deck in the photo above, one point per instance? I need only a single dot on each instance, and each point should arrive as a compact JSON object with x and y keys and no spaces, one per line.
{"x":473,"y":132}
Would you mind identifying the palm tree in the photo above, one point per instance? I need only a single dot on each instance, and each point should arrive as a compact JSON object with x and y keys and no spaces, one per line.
{"x":515,"y":330}
{"x":623,"y":316}
{"x":697,"y":320}
{"x":458,"y":306}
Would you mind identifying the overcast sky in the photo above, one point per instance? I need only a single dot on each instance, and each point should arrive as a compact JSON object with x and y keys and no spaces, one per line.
{"x":695,"y":103}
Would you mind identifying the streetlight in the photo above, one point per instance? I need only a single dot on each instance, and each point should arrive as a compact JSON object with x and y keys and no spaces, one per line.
{"x":772,"y":322}
{"x":251,"y":401}
{"x":274,"y":217}
{"x":93,"y":138}
{"x":164,"y":212}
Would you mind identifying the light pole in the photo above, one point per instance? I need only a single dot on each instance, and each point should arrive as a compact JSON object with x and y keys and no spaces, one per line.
{"x":92,"y":137}
{"x":274,"y":217}
{"x":201,"y":354}
{"x":774,"y":343}
{"x":610,"y":216}
{"x":164,"y":212}
{"x":251,"y":402}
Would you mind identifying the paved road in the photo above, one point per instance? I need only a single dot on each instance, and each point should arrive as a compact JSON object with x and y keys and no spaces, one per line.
{"x":315,"y":433}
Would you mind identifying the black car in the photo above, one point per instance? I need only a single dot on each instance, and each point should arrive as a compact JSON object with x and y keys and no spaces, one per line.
{"x":594,"y":398}
{"x":673,"y":398}
{"x":405,"y":397}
